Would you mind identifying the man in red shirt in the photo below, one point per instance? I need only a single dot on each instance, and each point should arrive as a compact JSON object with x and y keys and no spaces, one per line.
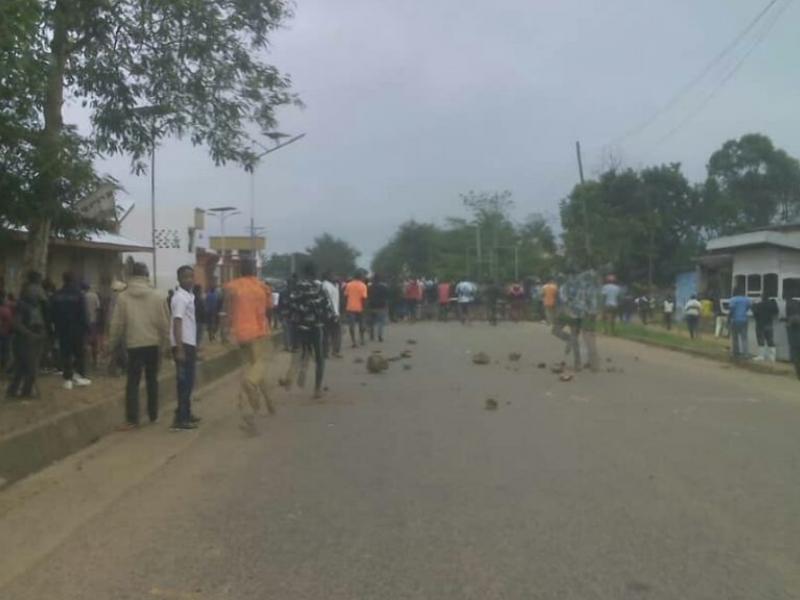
{"x":444,"y":300}
{"x":355,"y":293}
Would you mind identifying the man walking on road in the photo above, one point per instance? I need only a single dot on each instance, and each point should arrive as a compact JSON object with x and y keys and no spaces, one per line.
{"x":309,"y":311}
{"x":580,"y":296}
{"x":378,"y":302}
{"x":332,"y":342}
{"x":141,"y":322}
{"x":183,"y":337}
{"x":737,"y":315}
{"x":72,"y":326}
{"x":356,"y":293}
{"x":248,"y":301}
{"x":465,"y":294}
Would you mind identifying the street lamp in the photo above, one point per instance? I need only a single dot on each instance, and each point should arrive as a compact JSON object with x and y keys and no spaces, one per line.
{"x":153,"y":111}
{"x":276,"y":137}
{"x":222,"y":213}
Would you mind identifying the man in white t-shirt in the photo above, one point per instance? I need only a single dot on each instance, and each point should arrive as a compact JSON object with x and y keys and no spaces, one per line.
{"x":465,"y":294}
{"x":332,"y":333}
{"x":610,"y":294}
{"x":183,"y":337}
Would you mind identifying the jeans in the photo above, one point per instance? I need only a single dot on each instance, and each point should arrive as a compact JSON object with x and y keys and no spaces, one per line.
{"x":692,"y":321}
{"x":309,"y":341}
{"x":377,"y":321}
{"x":353,"y":319}
{"x":72,"y":356}
{"x":143,"y":358}
{"x":739,"y":344}
{"x":184,"y":376}
{"x":765,"y":335}
{"x":200,"y":330}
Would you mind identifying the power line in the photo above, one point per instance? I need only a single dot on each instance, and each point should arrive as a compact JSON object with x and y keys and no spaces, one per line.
{"x":729,"y":75}
{"x":701,"y":75}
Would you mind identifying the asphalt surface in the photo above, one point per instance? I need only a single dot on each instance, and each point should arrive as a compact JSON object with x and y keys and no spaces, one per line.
{"x":671,"y":477}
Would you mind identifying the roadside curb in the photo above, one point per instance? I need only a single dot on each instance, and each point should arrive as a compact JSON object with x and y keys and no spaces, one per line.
{"x":29,"y":450}
{"x":721,"y":358}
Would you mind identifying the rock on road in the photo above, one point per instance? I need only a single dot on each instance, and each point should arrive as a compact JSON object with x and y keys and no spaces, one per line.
{"x":675,"y":478}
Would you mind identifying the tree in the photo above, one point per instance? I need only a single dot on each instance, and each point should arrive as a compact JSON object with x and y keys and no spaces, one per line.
{"x":642,"y":225}
{"x":750,"y":184}
{"x":333,"y":254}
{"x":465,"y":247}
{"x":195,"y":63}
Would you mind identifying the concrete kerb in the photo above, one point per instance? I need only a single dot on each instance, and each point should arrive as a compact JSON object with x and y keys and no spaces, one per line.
{"x":722,"y":358}
{"x":28,"y":450}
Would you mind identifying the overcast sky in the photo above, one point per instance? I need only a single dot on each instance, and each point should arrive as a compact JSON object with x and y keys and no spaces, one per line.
{"x":410,"y":103}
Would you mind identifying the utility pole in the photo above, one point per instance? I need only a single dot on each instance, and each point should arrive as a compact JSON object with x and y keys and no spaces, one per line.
{"x":153,"y":201}
{"x":478,"y":253}
{"x":586,"y":238}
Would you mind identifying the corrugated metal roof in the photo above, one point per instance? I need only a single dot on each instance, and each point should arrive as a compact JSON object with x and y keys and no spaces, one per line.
{"x":783,"y":239}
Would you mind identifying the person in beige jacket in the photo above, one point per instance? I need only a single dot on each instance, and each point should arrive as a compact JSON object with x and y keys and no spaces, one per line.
{"x":140,"y":320}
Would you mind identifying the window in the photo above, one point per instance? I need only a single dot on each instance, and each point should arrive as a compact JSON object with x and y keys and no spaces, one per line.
{"x":791,"y":288}
{"x":771,"y":285}
{"x":753,"y":284}
{"x":739,"y":284}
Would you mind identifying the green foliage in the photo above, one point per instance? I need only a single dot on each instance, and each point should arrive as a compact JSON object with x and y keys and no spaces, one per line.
{"x":452,"y":251}
{"x":145,"y":70}
{"x":750,"y":184}
{"x":642,"y":225}
{"x":333,"y":254}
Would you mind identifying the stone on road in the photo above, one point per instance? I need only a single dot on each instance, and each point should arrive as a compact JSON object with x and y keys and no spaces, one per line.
{"x":678,"y":479}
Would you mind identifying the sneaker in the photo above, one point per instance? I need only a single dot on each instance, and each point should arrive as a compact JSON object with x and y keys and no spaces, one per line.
{"x":183,"y":426}
{"x":81,"y":381}
{"x":195,"y":419}
{"x":68,"y":384}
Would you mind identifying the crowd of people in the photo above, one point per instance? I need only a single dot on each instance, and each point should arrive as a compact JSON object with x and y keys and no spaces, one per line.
{"x":54,"y":330}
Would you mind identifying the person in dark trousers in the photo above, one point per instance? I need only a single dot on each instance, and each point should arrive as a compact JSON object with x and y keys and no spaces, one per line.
{"x":309,"y":312}
{"x":493,"y":293}
{"x":141,"y":322}
{"x":738,"y":320}
{"x":793,"y":332}
{"x":213,"y":305}
{"x":378,"y":306}
{"x":183,"y":337}
{"x":200,"y":312}
{"x":29,"y":334}
{"x":71,"y":323}
{"x":764,"y":314}
{"x":669,"y":311}
{"x":692,"y":310}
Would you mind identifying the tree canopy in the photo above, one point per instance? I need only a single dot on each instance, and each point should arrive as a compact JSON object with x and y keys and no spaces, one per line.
{"x":144,"y":70}
{"x":487,"y":244}
{"x":333,"y":254}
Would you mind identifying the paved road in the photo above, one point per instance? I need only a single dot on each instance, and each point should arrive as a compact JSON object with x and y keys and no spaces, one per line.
{"x":676,"y":478}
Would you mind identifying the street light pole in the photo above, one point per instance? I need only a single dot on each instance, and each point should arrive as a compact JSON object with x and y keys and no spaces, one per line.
{"x":222,"y":213}
{"x":153,"y":207}
{"x":275,"y":136}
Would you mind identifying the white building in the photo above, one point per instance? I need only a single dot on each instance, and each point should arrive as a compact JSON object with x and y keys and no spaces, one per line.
{"x":762,"y":261}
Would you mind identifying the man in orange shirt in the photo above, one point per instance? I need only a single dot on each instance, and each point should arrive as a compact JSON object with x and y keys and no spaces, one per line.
{"x":355,"y":293}
{"x":247,"y":300}
{"x":550,"y":302}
